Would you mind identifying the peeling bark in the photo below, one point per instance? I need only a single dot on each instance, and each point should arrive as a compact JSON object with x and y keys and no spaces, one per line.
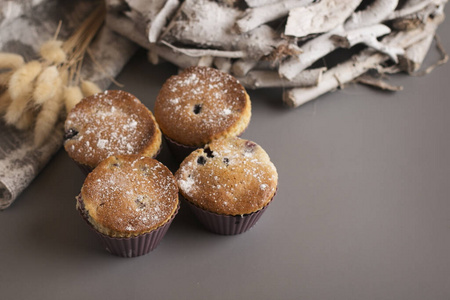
{"x":160,"y":20}
{"x":359,"y":64}
{"x":269,"y":79}
{"x":253,"y":17}
{"x":319,"y":17}
{"x":374,"y":13}
{"x":328,"y":42}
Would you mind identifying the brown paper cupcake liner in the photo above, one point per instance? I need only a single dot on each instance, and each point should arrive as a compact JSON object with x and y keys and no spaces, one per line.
{"x":84,"y":168}
{"x":226,"y":224}
{"x":179,"y":151}
{"x":133,"y":246}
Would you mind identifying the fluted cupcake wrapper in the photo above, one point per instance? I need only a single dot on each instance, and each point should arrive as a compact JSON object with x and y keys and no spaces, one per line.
{"x":134,"y":246}
{"x":179,"y":151}
{"x":226,"y":224}
{"x":84,"y":168}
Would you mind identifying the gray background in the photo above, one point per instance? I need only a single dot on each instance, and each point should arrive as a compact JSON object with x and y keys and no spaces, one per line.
{"x":362,"y":210}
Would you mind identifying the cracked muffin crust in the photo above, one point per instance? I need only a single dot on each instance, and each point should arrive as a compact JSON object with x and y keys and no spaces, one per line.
{"x":202,"y":104}
{"x":229,"y":177}
{"x":128,"y":195}
{"x":110,"y":123}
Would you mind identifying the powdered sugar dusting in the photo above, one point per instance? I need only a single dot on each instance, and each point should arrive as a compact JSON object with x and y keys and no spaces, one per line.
{"x":130,"y":194}
{"x":201,"y":98}
{"x":237,"y":178}
{"x":112,"y":123}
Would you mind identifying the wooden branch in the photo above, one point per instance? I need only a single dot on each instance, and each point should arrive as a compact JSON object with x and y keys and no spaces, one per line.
{"x":269,"y":79}
{"x":319,"y":17}
{"x":256,"y":3}
{"x":334,"y":78}
{"x":242,"y":66}
{"x":206,"y":52}
{"x":223,"y":64}
{"x":413,"y":57}
{"x":359,"y":64}
{"x":181,"y":60}
{"x":126,"y":27}
{"x":374,"y":13}
{"x":157,"y":25}
{"x":412,"y":7}
{"x":328,"y":42}
{"x":368,"y":36}
{"x":255,"y":16}
{"x":370,"y":80}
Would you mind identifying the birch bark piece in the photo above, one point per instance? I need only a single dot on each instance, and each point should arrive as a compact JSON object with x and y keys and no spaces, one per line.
{"x":412,"y":7}
{"x":271,"y":79}
{"x":203,"y":22}
{"x":160,"y":20}
{"x":374,"y":13}
{"x":256,"y":3}
{"x":319,"y":17}
{"x":331,"y":80}
{"x":415,"y":55}
{"x":253,"y":17}
{"x":359,"y":64}
{"x":205,"y":52}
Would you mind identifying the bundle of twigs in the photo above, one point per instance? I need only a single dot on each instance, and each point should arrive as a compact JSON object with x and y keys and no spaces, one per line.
{"x":36,"y":93}
{"x":271,"y":43}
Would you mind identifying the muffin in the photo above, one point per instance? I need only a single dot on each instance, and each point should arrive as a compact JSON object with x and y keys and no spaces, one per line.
{"x":228,"y":184}
{"x":130,"y":202}
{"x":200,"y":105}
{"x":110,"y":123}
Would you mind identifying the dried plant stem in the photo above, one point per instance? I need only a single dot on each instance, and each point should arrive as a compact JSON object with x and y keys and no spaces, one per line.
{"x":75,"y":47}
{"x":10,"y":61}
{"x":20,"y":89}
{"x":26,"y":121}
{"x":89,"y":88}
{"x":4,"y":78}
{"x":72,"y":96}
{"x":5,"y":101}
{"x":47,"y":85}
{"x":47,"y":117}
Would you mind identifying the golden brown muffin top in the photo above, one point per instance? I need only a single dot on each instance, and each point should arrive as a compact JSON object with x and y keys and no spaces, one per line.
{"x":229,"y":176}
{"x":202,"y":104}
{"x":128,"y":195}
{"x":110,"y":123}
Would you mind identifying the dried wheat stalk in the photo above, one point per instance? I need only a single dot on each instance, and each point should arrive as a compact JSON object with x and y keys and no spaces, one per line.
{"x":35,"y":92}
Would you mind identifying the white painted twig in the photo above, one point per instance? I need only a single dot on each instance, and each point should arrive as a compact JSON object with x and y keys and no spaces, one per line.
{"x":359,"y":64}
{"x":222,"y":63}
{"x":181,"y":60}
{"x":253,"y":17}
{"x":319,"y":17}
{"x":368,"y":35}
{"x":205,"y":52}
{"x":269,"y":79}
{"x":256,"y":3}
{"x":242,"y":66}
{"x":411,"y":61}
{"x":126,"y":27}
{"x":328,"y":42}
{"x":312,"y":51}
{"x":335,"y":77}
{"x":412,"y":7}
{"x":373,"y":14}
{"x":158,"y":23}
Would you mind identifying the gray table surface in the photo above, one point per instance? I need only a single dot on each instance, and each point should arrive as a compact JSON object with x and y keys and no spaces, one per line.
{"x":362,"y":211}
